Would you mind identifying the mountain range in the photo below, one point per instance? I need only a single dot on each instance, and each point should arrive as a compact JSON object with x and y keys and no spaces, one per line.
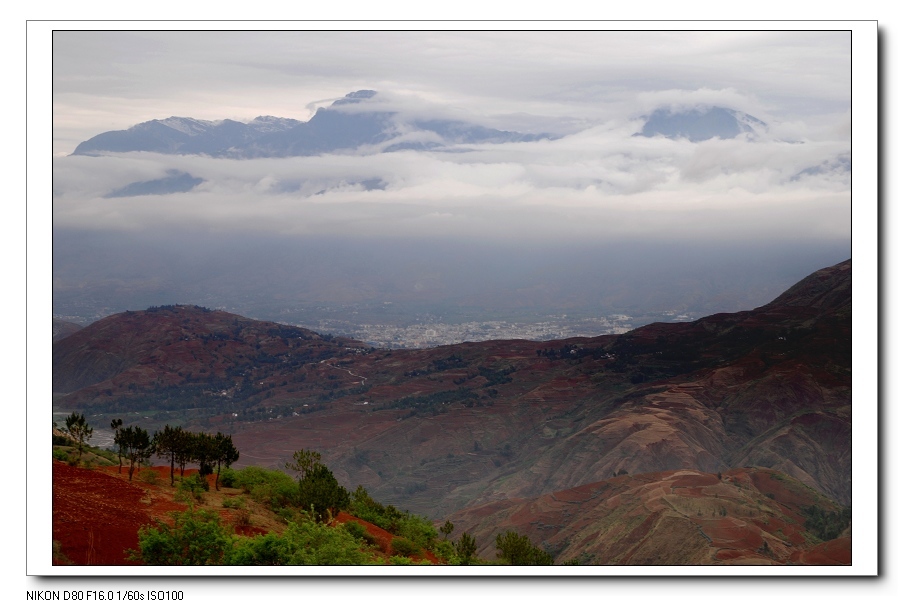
{"x":346,"y":125}
{"x":349,"y":124}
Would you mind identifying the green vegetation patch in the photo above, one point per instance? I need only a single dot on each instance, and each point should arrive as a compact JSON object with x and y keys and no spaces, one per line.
{"x":516,"y":549}
{"x":274,"y":489}
{"x":432,"y":404}
{"x":197,"y":537}
{"x":417,"y":529}
{"x":825,"y":523}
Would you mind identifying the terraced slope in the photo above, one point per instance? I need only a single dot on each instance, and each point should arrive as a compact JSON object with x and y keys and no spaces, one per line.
{"x":744,"y":516}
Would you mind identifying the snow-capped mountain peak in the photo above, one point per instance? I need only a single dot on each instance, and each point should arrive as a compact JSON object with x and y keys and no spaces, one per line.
{"x":189,"y":126}
{"x":272,"y":124}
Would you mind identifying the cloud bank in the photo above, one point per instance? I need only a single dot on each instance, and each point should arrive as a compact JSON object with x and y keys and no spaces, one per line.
{"x":601,"y":181}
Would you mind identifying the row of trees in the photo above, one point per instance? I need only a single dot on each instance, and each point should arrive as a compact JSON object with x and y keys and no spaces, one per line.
{"x":210,"y":452}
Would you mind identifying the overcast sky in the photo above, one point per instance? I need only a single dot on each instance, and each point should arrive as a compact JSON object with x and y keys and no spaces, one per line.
{"x":592,"y":87}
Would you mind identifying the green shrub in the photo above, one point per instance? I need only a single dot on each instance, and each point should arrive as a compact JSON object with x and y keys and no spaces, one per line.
{"x":233,"y":503}
{"x":148,"y":475}
{"x":198,"y":538}
{"x":445,"y":551}
{"x":195,"y":538}
{"x":358,"y":531}
{"x":61,"y":455}
{"x":320,"y":491}
{"x":293,"y":514}
{"x":366,"y":508}
{"x":516,"y":549}
{"x":228,"y":478}
{"x":466,"y":549}
{"x":418,"y":529}
{"x":266,"y":549}
{"x":306,"y":543}
{"x":415,"y":528}
{"x":272,"y":488}
{"x":405,"y":547}
{"x":191,"y":488}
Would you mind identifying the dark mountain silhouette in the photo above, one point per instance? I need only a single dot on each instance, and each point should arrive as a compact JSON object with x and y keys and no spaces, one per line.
{"x":459,"y":426}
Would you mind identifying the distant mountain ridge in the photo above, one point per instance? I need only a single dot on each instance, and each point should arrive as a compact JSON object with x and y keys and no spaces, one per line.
{"x":347,"y":125}
{"x":344,"y":125}
{"x":63,"y":328}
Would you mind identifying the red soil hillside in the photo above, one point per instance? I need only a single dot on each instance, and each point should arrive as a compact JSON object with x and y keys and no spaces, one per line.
{"x":748,"y":517}
{"x":97,"y":514}
{"x":177,"y":346}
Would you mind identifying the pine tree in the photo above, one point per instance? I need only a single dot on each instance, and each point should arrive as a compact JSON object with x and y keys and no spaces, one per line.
{"x":116,"y":426}
{"x":226,"y":454}
{"x":78,"y":428}
{"x":168,"y":443}
{"x":137,"y":445}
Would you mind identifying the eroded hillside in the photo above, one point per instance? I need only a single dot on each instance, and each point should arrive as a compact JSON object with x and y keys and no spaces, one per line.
{"x":744,"y":516}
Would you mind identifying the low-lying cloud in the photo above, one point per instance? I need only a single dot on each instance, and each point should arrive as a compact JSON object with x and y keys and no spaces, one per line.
{"x":597,"y":182}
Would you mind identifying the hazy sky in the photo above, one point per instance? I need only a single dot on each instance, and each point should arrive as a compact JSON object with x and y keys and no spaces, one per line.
{"x":592,"y":87}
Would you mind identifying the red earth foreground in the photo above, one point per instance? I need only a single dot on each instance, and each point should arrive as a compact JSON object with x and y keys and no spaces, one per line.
{"x":96,"y":515}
